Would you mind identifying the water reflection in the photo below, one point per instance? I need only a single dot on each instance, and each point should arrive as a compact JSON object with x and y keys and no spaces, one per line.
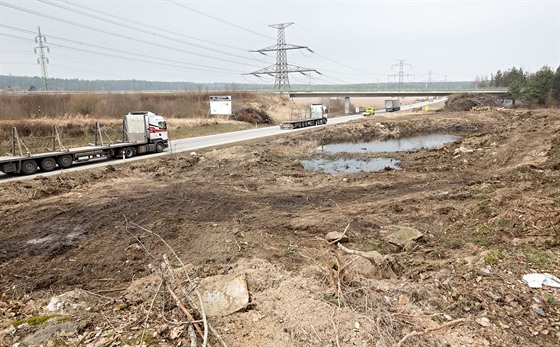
{"x":392,"y":145}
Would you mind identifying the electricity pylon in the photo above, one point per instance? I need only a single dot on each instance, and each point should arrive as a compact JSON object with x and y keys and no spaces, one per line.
{"x":430,"y":73}
{"x":281,"y":69}
{"x":401,"y":73}
{"x":42,"y":60}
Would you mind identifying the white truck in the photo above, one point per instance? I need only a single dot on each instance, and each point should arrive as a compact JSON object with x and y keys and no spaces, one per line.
{"x":142,"y":132}
{"x":392,"y":105}
{"x":317,"y":116}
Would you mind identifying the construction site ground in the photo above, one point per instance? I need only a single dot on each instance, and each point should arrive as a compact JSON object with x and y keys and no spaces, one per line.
{"x":484,"y":210}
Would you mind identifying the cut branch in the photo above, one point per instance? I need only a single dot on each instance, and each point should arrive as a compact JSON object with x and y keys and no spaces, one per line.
{"x":429,"y":330}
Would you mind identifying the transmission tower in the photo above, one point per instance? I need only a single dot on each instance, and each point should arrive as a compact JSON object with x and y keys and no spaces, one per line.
{"x":42,"y":60}
{"x":282,"y":68}
{"x":430,"y":73}
{"x":401,"y":73}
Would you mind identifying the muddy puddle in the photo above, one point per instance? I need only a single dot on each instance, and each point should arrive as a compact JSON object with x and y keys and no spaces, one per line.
{"x":392,"y":145}
{"x":339,"y":165}
{"x":350,"y":165}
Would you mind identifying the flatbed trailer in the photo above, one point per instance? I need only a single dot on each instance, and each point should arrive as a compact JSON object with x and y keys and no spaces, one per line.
{"x":48,"y":161}
{"x":302,"y":123}
{"x":143,"y":132}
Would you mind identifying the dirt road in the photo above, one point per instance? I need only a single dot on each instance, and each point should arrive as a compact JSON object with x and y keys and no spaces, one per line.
{"x":485,"y":210}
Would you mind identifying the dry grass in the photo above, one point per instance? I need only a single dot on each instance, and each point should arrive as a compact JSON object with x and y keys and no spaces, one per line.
{"x":180,"y":105}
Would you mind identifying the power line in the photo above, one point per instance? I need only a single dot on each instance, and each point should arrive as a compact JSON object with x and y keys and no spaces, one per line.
{"x":318,"y":54}
{"x":122,"y":22}
{"x":429,"y":81}
{"x":282,"y":68}
{"x":218,"y":19}
{"x":401,"y":73}
{"x":145,"y":25}
{"x":42,"y":60}
{"x":116,"y":34}
{"x":128,"y":54}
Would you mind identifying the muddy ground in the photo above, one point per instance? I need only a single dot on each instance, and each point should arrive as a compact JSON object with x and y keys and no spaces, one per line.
{"x":487,"y":207}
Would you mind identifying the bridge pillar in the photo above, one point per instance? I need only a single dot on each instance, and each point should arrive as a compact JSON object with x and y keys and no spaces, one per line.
{"x":347,"y":105}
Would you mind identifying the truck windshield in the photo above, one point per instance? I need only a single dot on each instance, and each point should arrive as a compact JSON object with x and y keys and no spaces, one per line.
{"x":162,"y":125}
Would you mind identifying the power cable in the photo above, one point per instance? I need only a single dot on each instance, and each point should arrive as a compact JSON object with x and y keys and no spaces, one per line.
{"x":127,"y":53}
{"x":124,"y":20}
{"x":219,"y":19}
{"x":159,"y":29}
{"x":115,"y":34}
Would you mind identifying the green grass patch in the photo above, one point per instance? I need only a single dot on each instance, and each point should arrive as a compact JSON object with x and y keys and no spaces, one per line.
{"x":493,"y":256}
{"x":480,"y":236}
{"x":453,"y":242}
{"x":552,"y":301}
{"x":485,"y":209}
{"x":480,"y":197}
{"x":537,"y":256}
{"x":38,"y":320}
{"x":333,"y":300}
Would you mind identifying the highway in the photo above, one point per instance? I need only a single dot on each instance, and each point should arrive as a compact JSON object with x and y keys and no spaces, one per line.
{"x":201,"y":142}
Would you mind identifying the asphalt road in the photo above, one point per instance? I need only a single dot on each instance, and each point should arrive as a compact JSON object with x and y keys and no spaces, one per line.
{"x":197,"y":143}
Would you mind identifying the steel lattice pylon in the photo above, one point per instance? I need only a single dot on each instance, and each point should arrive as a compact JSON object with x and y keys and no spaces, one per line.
{"x":282,"y":69}
{"x":42,"y":60}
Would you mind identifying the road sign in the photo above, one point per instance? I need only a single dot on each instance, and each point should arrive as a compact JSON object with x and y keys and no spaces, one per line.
{"x":220,"y":105}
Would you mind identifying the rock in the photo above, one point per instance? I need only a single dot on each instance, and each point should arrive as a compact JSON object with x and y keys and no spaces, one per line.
{"x":538,"y":310}
{"x":461,"y":150}
{"x":335,"y":235}
{"x":403,"y":300}
{"x":224,"y":295}
{"x":483,"y":321}
{"x":400,"y":235}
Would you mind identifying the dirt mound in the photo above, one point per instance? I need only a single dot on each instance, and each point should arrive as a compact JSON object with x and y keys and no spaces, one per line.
{"x":466,"y":101}
{"x":253,"y":116}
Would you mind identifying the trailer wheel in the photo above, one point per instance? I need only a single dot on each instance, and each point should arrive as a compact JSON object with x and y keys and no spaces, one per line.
{"x":64,"y":161}
{"x":160,"y":147}
{"x":48,"y":164}
{"x":29,"y":167}
{"x":128,"y":152}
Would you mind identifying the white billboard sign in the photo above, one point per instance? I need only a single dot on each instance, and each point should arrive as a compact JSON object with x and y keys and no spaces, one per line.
{"x":220,"y":105}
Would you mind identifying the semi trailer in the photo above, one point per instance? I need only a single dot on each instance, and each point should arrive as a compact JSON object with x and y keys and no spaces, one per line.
{"x":392,"y":105}
{"x":317,"y":115}
{"x":142,"y":132}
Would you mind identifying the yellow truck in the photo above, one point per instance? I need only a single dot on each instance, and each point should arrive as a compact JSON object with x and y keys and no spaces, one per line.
{"x":370,"y":111}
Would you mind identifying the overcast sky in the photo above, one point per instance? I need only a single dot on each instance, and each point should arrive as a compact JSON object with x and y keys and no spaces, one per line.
{"x":209,"y":41}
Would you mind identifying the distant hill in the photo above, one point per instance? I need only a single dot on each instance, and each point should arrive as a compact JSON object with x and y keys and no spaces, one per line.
{"x":24,"y":83}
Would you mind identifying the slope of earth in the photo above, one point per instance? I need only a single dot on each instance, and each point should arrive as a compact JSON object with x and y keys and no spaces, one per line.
{"x":487,"y":208}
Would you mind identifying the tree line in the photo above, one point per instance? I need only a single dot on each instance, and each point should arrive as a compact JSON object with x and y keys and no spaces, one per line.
{"x":541,"y":87}
{"x":24,"y":83}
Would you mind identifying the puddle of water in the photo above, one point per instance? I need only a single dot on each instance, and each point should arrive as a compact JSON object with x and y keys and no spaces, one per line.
{"x":392,"y":145}
{"x":350,"y":165}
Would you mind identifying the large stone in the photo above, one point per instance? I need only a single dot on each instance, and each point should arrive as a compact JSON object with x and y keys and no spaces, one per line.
{"x":224,"y":295}
{"x":400,"y":235}
{"x":336,"y":236}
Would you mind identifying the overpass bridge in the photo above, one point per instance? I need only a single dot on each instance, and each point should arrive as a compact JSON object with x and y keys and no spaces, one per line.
{"x":391,"y":94}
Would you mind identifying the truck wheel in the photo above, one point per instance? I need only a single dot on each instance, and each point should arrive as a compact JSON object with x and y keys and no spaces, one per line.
{"x":128,"y":152}
{"x":48,"y":164}
{"x":64,"y":161}
{"x":160,"y":147}
{"x":29,"y":167}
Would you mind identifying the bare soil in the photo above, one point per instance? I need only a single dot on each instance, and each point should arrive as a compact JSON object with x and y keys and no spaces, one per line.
{"x":488,"y":207}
